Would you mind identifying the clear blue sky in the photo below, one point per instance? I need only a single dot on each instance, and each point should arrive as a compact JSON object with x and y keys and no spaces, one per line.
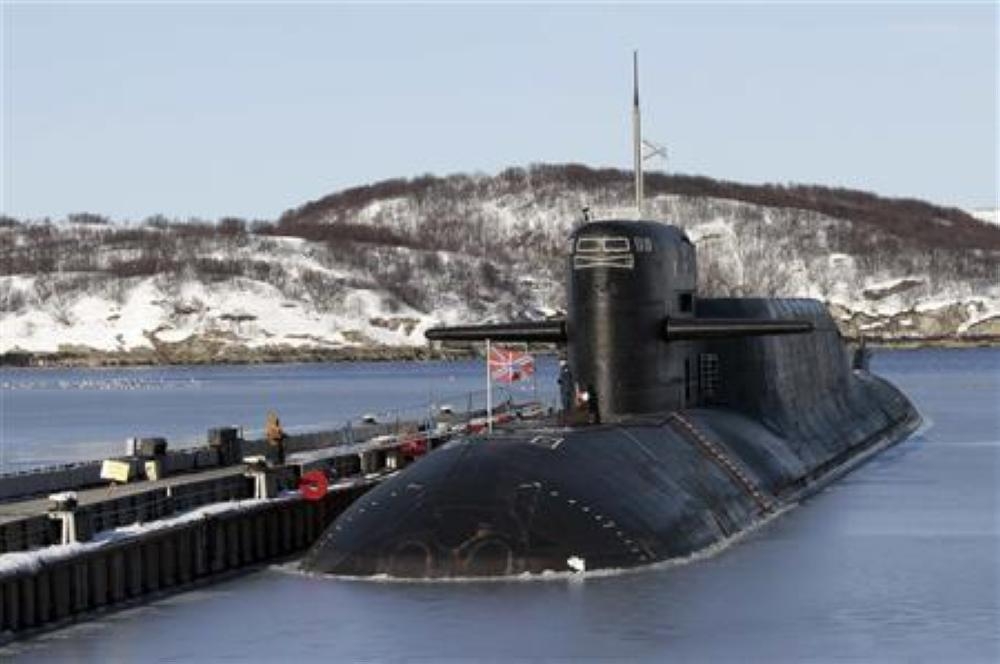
{"x":249,"y":109}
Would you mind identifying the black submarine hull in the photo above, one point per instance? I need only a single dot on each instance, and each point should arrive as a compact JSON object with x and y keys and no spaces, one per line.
{"x":789,"y":416}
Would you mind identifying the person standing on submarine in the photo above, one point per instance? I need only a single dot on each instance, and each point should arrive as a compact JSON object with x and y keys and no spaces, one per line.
{"x":593,"y":410}
{"x":567,"y":390}
{"x":275,"y":436}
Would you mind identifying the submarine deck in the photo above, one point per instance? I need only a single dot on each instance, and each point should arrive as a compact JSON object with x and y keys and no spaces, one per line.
{"x":532,"y":497}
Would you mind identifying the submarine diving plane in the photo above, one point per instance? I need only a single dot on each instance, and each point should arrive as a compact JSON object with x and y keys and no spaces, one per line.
{"x":708,"y":415}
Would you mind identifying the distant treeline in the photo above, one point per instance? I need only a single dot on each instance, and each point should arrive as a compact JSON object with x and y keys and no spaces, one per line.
{"x":921,"y":222}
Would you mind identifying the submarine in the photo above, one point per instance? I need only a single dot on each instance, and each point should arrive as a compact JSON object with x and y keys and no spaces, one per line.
{"x":701,"y":417}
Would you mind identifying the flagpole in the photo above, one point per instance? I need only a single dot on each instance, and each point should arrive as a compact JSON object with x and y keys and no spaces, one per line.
{"x":534,"y":376}
{"x":489,"y":392}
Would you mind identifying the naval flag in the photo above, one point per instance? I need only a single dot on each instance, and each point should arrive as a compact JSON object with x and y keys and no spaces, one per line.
{"x":508,"y":366}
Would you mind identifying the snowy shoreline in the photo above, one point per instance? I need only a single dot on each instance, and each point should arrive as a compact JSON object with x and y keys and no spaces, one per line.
{"x":78,"y":357}
{"x":307,"y":355}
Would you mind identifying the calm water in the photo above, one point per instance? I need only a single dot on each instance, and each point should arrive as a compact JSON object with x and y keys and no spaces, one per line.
{"x":900,"y":561}
{"x":57,"y":415}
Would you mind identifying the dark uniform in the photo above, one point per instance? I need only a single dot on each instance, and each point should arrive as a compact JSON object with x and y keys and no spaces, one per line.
{"x":862,"y":357}
{"x":593,"y":410}
{"x":567,"y":390}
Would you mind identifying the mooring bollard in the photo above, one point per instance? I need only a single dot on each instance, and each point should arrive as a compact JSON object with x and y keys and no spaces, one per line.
{"x":265,"y":484}
{"x":63,"y":509}
{"x":226,"y":442}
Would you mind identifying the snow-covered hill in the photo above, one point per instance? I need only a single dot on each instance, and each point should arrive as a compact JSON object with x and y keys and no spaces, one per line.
{"x":374,"y":267}
{"x":989,"y":215}
{"x":284,"y":294}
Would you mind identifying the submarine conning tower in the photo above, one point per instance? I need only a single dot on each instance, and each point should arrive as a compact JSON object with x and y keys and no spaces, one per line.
{"x":625,"y":279}
{"x":631,"y":328}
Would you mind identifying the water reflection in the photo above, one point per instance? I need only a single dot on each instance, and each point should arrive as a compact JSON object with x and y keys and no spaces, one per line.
{"x":900,"y":561}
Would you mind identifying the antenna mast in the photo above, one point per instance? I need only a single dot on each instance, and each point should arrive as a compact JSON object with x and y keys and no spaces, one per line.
{"x":636,"y":134}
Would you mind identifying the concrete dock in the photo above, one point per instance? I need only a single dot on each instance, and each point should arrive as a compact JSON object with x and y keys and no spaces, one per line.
{"x":206,"y":520}
{"x":59,"y":590}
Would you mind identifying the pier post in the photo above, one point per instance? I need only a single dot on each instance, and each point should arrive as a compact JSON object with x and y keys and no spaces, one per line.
{"x":12,"y":604}
{"x":99,"y":581}
{"x":168,"y":562}
{"x":202,"y":551}
{"x":81,"y":587}
{"x":3,"y":606}
{"x":116,"y":574}
{"x":43,"y":597}
{"x":133,"y":565}
{"x":184,"y":557}
{"x":28,"y":601}
{"x":61,"y":580}
{"x":63,"y":509}
{"x":232,"y":544}
{"x":151,"y":565}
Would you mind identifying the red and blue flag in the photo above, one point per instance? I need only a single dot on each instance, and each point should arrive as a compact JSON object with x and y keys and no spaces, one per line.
{"x":508,"y":366}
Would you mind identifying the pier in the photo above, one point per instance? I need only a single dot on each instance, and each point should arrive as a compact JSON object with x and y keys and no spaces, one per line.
{"x":73,"y":547}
